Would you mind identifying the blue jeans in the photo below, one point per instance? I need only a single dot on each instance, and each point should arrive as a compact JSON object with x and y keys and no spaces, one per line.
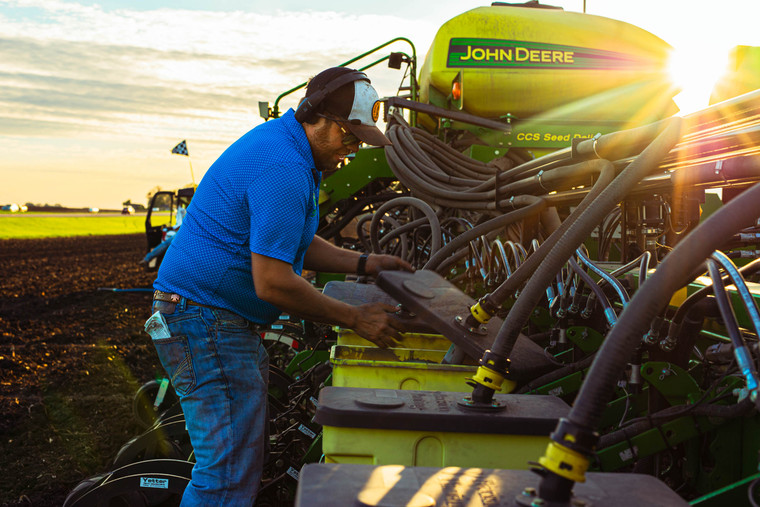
{"x":219,"y":369}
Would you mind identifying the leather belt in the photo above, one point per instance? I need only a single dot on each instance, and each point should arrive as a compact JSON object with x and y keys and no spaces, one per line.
{"x":175,"y":298}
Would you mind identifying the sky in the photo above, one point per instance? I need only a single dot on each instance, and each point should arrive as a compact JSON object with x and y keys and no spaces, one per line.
{"x":94,"y":95}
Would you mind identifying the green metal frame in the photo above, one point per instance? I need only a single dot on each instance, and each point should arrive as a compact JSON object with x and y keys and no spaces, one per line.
{"x":274,"y":112}
{"x":368,"y":165}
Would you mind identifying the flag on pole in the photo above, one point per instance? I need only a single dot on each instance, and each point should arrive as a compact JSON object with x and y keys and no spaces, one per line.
{"x":181,"y":149}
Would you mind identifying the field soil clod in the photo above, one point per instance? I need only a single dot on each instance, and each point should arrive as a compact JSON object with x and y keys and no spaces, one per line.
{"x":72,"y":356}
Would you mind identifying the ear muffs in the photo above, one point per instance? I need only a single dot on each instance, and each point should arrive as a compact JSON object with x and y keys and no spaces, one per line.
{"x":308,"y":106}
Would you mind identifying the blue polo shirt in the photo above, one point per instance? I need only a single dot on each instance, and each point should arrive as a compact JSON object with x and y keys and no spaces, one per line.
{"x":260,"y":196}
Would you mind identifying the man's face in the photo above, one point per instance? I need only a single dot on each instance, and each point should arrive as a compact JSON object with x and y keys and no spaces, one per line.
{"x":328,"y":148}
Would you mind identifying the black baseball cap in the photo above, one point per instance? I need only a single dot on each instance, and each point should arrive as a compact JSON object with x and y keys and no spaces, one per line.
{"x":355,"y":103}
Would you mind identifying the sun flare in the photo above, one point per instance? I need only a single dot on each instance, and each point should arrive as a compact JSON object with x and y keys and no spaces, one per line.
{"x":695,"y":70}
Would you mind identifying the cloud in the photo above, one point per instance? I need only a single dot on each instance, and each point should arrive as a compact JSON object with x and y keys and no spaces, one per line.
{"x":84,"y":89}
{"x":61,"y":59}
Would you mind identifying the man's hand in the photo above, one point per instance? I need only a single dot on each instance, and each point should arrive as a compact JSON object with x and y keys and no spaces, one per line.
{"x":374,"y":323}
{"x":380,"y":262}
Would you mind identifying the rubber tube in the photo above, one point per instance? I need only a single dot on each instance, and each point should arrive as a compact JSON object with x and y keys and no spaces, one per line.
{"x":676,"y":322}
{"x":527,"y":268}
{"x":555,"y":375}
{"x":740,"y":409}
{"x":688,"y":332}
{"x":607,"y":199}
{"x":741,"y":288}
{"x":614,"y":282}
{"x":532,"y":205}
{"x":435,"y":226}
{"x":656,"y":292}
{"x":609,"y":313}
{"x":724,"y":305}
{"x":743,"y":359}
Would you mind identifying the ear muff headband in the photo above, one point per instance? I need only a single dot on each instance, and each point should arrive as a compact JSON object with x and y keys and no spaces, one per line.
{"x":309,"y":105}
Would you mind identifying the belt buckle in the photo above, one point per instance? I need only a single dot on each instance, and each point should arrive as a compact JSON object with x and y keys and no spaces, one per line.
{"x":175,"y":298}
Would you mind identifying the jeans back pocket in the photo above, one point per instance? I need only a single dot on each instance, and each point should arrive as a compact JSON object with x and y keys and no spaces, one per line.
{"x":176,"y":358}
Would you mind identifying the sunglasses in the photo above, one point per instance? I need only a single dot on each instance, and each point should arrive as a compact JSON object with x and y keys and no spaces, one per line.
{"x":348,"y":137}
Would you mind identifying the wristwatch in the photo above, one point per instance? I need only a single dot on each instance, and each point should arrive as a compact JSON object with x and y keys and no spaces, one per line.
{"x":361,"y":266}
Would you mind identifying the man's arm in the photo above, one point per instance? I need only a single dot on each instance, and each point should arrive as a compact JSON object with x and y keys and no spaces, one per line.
{"x":277,"y":284}
{"x":324,"y":256}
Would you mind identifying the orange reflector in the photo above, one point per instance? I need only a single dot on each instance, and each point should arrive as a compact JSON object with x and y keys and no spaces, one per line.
{"x":456,"y":90}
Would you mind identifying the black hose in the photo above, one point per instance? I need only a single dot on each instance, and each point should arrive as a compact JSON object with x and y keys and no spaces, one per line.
{"x":724,"y":305}
{"x":676,"y":322}
{"x":644,"y":164}
{"x":527,"y":268}
{"x":596,"y":289}
{"x":528,"y":206}
{"x":439,"y":174}
{"x":648,"y":301}
{"x":740,"y":409}
{"x":555,"y":375}
{"x":679,"y":350}
{"x":435,"y":226}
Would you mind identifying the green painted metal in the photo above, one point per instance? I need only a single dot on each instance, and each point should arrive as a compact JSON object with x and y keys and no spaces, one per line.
{"x":368,"y":165}
{"x":304,"y":360}
{"x":649,"y":443}
{"x":323,"y":278}
{"x":728,"y":454}
{"x":734,"y":494}
{"x":562,"y":387}
{"x":720,"y":465}
{"x":637,"y":405}
{"x":314,"y":454}
{"x":587,"y":339}
{"x":670,"y":380}
{"x":275,"y":111}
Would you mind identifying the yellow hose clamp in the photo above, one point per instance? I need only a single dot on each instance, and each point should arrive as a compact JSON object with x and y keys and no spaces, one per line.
{"x":565,"y":462}
{"x":480,"y":314}
{"x":489,"y":378}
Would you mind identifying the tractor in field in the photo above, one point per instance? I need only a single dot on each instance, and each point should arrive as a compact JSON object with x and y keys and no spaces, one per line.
{"x":582,"y":328}
{"x":164,"y":208}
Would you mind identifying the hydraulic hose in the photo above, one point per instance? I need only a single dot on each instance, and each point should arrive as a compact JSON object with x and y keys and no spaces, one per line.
{"x":609,"y":313}
{"x":527,"y":268}
{"x":614,"y":282}
{"x":712,"y":410}
{"x":656,"y":292}
{"x":724,"y":305}
{"x":743,"y":358}
{"x":607,"y":199}
{"x":677,"y":320}
{"x":646,"y":259}
{"x":741,"y":288}
{"x":642,"y":261}
{"x":435,"y":225}
{"x":678,"y":349}
{"x":439,"y":174}
{"x":555,"y":375}
{"x":527,"y":205}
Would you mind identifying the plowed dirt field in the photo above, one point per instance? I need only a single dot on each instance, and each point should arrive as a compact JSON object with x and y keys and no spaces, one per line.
{"x":72,"y":356}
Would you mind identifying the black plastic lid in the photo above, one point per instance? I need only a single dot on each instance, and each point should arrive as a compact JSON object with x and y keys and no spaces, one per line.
{"x":389,"y":409}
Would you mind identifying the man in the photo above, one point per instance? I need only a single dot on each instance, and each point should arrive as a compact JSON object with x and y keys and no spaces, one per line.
{"x":235,"y":265}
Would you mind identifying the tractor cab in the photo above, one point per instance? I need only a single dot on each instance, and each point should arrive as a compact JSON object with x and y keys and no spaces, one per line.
{"x":162,"y":217}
